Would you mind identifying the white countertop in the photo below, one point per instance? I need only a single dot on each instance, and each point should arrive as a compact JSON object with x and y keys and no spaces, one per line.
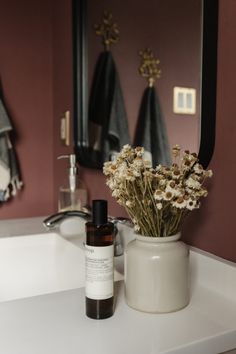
{"x":56,"y":322}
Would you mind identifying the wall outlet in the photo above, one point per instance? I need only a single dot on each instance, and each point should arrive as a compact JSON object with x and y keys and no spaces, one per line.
{"x":184,"y":100}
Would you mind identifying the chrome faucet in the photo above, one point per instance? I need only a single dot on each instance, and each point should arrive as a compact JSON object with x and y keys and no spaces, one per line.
{"x":54,"y":220}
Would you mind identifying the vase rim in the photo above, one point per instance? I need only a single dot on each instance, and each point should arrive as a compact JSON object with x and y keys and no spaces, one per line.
{"x":158,"y":239}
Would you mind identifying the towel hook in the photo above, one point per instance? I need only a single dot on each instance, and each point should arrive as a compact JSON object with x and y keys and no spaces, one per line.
{"x":149,"y":66}
{"x":108,"y":30}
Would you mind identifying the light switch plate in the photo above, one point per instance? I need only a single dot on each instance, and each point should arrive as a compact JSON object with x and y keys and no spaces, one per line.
{"x":184,"y":100}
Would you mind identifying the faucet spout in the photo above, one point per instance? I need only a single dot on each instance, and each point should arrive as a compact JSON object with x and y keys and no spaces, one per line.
{"x":54,"y":220}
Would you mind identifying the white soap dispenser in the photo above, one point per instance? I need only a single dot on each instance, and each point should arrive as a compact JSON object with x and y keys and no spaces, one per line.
{"x":73,"y":195}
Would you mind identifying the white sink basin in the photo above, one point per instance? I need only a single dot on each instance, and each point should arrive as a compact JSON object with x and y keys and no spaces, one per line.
{"x":39,"y":264}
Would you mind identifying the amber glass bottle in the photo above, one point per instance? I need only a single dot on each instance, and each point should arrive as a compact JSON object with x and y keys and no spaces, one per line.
{"x":99,"y":288}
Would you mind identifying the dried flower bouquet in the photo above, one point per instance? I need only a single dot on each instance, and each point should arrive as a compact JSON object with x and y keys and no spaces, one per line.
{"x":156,"y":199}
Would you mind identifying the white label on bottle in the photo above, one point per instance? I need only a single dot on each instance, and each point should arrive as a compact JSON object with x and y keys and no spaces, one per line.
{"x":99,"y":283}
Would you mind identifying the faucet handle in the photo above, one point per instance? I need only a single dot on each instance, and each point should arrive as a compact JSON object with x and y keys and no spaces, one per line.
{"x":121,"y":220}
{"x":118,"y":247}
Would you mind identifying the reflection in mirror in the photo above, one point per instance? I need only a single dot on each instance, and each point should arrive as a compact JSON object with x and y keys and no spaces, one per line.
{"x":176,"y":36}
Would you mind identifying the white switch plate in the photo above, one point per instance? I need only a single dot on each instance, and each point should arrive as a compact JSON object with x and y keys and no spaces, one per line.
{"x":184,"y":101}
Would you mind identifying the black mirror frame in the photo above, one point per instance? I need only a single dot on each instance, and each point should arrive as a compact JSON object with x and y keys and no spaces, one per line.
{"x":208,"y":89}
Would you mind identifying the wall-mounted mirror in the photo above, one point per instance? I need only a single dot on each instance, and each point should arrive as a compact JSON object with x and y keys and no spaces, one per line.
{"x":182,"y":35}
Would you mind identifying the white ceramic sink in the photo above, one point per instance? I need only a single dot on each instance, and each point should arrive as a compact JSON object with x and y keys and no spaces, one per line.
{"x":40,"y":264}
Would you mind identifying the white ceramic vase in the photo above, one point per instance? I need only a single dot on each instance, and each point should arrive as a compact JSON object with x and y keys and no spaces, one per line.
{"x":156,"y":274}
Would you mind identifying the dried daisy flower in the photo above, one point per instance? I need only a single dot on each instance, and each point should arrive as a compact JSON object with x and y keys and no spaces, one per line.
{"x":156,"y":199}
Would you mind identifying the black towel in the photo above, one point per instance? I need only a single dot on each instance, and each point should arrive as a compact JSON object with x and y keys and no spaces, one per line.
{"x":108,"y":127}
{"x":151,"y":130}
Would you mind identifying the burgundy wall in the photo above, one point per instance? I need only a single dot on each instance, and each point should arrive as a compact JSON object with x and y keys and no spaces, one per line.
{"x":36,"y":74}
{"x":62,"y":87}
{"x":212,"y":228}
{"x":26,"y":74}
